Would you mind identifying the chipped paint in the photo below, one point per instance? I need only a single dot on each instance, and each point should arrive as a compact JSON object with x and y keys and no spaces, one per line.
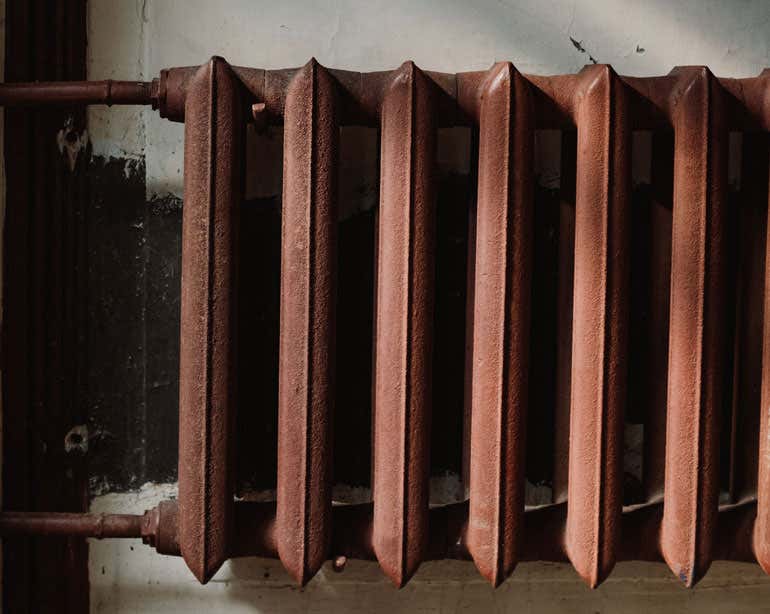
{"x":134,"y":40}
{"x":71,"y":142}
{"x":581,"y":48}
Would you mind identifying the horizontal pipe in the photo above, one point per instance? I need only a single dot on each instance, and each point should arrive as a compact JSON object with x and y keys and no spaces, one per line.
{"x":459,"y":102}
{"x":59,"y":93}
{"x":458,"y":105}
{"x":543,"y":532}
{"x":66,"y":524}
{"x":352,"y":530}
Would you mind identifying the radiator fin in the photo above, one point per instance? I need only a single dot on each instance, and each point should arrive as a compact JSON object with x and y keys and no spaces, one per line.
{"x":697,"y":339}
{"x":213,"y":189}
{"x":307,"y":325}
{"x":404,"y":322}
{"x":502,"y":294}
{"x":600,"y":316}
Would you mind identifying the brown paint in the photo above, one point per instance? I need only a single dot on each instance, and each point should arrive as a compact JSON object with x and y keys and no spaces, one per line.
{"x":61,"y":523}
{"x":404,"y":321}
{"x":762,"y":526}
{"x":592,"y":530}
{"x":600,"y":321}
{"x":254,"y":530}
{"x":364,"y":93}
{"x":501,"y":323}
{"x":697,"y":327}
{"x":308,"y":292}
{"x":107,"y":92}
{"x":213,"y":188}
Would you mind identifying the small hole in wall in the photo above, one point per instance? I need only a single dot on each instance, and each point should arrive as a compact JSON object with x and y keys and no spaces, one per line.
{"x":76,"y":440}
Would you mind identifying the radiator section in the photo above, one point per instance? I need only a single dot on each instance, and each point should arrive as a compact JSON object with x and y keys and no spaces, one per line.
{"x":500,"y":346}
{"x":307,"y":328}
{"x":697,"y":327}
{"x":213,"y":189}
{"x":404,"y":324}
{"x":599,"y":324}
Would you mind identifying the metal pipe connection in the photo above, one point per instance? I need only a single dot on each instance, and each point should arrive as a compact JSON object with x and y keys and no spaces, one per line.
{"x":59,"y":93}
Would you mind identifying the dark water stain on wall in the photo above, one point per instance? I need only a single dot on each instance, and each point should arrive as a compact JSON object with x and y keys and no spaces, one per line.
{"x":133,"y":328}
{"x":131,"y":393}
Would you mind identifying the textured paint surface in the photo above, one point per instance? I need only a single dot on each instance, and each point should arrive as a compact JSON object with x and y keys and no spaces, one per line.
{"x":411,"y":105}
{"x":501,"y":323}
{"x":599,"y":323}
{"x":404,"y":338}
{"x":719,"y":64}
{"x":213,"y":188}
{"x":697,"y":329}
{"x":307,"y":329}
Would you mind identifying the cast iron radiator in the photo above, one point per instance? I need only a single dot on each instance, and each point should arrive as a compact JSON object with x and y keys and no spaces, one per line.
{"x":682,"y":519}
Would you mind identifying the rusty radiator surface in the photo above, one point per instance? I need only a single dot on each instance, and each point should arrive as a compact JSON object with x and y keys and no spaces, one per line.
{"x":682,"y":519}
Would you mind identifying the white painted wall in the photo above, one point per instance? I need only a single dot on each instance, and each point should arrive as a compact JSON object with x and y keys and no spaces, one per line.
{"x":134,"y":39}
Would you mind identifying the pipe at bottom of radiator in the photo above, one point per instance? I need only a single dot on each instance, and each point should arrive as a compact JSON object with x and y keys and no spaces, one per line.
{"x":156,"y":527}
{"x":352,"y":530}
